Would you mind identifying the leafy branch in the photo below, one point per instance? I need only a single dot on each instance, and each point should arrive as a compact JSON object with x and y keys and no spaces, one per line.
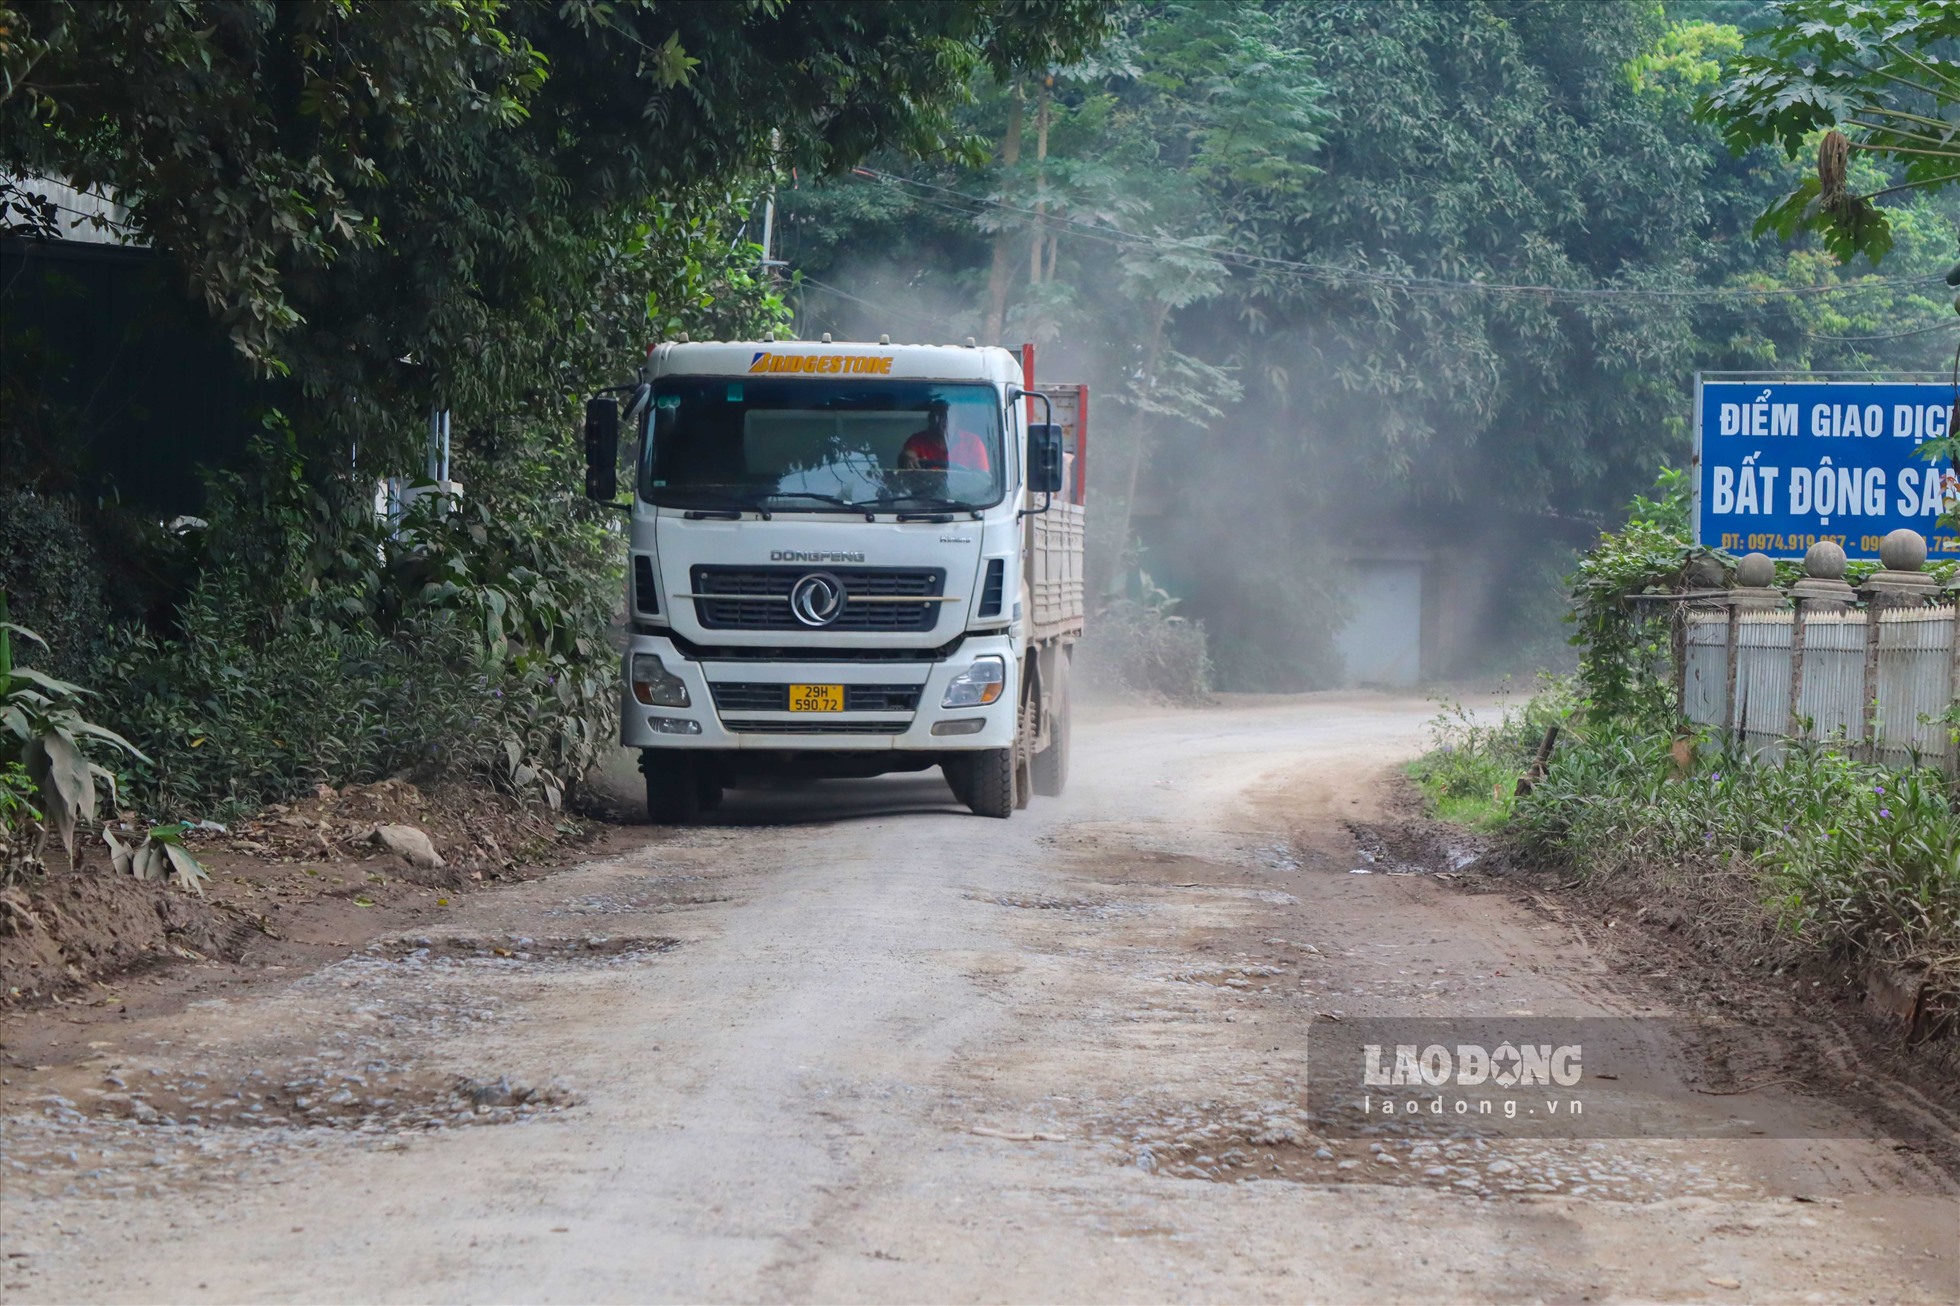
{"x":1874,"y":76}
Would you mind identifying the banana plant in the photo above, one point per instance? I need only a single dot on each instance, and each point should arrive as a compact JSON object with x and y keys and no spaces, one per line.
{"x":42,"y":729}
{"x":161,"y":853}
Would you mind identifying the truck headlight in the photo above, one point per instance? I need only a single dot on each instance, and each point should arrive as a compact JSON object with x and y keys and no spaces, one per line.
{"x":654,"y":685}
{"x":978,"y":685}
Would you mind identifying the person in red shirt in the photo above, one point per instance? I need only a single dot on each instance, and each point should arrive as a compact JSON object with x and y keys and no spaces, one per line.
{"x":930,"y":451}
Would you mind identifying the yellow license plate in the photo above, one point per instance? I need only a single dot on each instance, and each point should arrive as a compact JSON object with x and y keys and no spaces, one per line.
{"x":816,"y":698}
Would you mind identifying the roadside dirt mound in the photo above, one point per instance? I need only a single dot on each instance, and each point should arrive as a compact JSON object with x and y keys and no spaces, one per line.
{"x":71,"y":928}
{"x":472,"y":829}
{"x":1705,"y":936}
{"x":305,"y":876}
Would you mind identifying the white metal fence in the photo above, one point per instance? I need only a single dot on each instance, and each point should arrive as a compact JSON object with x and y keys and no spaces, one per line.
{"x":1875,"y":683}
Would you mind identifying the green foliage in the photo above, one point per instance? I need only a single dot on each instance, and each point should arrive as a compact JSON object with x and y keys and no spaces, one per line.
{"x":1469,"y":776}
{"x":52,"y":576}
{"x":1860,"y":860}
{"x":45,"y":739}
{"x":162,"y":853}
{"x":1853,"y":859}
{"x":1625,"y":666}
{"x":321,"y":645}
{"x":20,"y":821}
{"x":415,"y":201}
{"x":1439,"y":291}
{"x":1140,"y":645}
{"x":17,"y":809}
{"x":1882,"y":71}
{"x":1687,"y":55}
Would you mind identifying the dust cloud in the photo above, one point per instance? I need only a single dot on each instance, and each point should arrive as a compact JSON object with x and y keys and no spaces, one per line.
{"x":1247,"y":532}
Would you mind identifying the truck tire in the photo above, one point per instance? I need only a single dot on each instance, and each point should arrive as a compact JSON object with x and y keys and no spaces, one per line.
{"x":1051,"y":763}
{"x":957,"y":771}
{"x":1024,"y":737}
{"x":987,"y":787}
{"x":707,"y":782}
{"x":673,"y":787}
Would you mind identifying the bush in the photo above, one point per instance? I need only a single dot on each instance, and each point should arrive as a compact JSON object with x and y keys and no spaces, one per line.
{"x":1471,"y":772}
{"x":1141,"y":647}
{"x":321,"y":646}
{"x":1848,"y":859}
{"x":52,"y":576}
{"x":1857,"y":860}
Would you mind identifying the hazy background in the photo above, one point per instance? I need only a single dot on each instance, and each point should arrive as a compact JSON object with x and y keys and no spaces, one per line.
{"x":1379,"y":301}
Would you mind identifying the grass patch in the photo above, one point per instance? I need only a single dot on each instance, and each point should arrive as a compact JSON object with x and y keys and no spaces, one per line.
{"x":1832,"y":856}
{"x":1470,"y":775}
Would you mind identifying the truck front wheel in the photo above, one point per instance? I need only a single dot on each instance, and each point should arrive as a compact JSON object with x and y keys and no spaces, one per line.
{"x":986,"y":780}
{"x":674,"y":786}
{"x":1051,"y":763}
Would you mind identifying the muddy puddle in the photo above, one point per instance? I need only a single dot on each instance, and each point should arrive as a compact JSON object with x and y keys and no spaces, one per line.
{"x":1417,"y":848}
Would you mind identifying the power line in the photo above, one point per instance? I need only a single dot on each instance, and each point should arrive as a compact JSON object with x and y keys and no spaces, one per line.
{"x":1890,"y":335}
{"x":1335,"y":273}
{"x":927,"y":318}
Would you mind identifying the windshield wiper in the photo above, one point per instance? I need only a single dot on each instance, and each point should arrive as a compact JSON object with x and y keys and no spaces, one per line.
{"x":930,"y":502}
{"x":734,"y":505}
{"x":824,"y":498}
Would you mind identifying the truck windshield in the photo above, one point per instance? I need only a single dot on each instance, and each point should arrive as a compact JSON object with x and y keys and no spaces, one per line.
{"x":806,"y":445}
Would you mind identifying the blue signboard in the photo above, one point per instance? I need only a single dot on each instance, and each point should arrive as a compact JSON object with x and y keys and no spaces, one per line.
{"x":1781,"y":465}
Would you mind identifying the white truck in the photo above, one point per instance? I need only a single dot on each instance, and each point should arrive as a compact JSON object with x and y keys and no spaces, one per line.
{"x":846,"y":559}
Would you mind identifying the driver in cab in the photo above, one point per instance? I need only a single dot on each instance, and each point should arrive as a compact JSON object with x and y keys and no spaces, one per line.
{"x":929,"y":450}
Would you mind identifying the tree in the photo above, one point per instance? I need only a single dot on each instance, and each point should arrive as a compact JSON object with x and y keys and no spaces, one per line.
{"x":1873,"y":77}
{"x":406,"y":203}
{"x":1451,"y":297}
{"x":489,"y":206}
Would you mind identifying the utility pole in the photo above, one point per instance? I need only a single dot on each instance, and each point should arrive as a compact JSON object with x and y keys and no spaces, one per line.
{"x":438,"y":461}
{"x":769,"y":207}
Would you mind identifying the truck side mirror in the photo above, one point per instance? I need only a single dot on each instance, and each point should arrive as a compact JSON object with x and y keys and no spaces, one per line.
{"x":602,"y":448}
{"x":1044,"y":458}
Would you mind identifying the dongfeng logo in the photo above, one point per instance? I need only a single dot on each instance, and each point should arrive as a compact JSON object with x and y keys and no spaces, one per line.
{"x":806,"y":555}
{"x":817,"y":599}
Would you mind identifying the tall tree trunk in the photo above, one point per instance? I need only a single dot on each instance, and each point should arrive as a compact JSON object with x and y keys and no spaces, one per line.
{"x":1153,"y":349}
{"x":1002,"y":272}
{"x":1038,"y":237}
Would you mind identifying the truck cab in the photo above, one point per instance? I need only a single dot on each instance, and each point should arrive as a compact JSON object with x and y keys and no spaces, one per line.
{"x":846,"y":559}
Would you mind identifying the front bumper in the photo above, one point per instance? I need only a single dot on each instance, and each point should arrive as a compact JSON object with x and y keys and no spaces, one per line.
{"x":730,"y":727}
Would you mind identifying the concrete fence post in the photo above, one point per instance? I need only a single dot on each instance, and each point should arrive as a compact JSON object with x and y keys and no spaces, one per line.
{"x":1868,"y":718}
{"x":1729,"y":674}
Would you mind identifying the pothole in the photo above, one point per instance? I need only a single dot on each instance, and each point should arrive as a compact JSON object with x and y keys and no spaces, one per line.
{"x":1074,"y":907}
{"x":518,"y":948}
{"x":599,"y":906}
{"x":1277,"y":1140}
{"x":1249,"y":977}
{"x":1415,"y":849}
{"x":1038,"y":901}
{"x":374,"y":1096}
{"x":1279,"y":857}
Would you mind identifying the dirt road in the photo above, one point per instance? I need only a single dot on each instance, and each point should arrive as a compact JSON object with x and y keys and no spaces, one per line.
{"x":852,"y":1044}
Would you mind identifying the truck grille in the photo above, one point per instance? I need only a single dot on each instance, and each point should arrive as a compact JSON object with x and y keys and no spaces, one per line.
{"x":829,"y":726}
{"x":739,"y":696}
{"x":801,"y":652}
{"x":757,"y":598}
